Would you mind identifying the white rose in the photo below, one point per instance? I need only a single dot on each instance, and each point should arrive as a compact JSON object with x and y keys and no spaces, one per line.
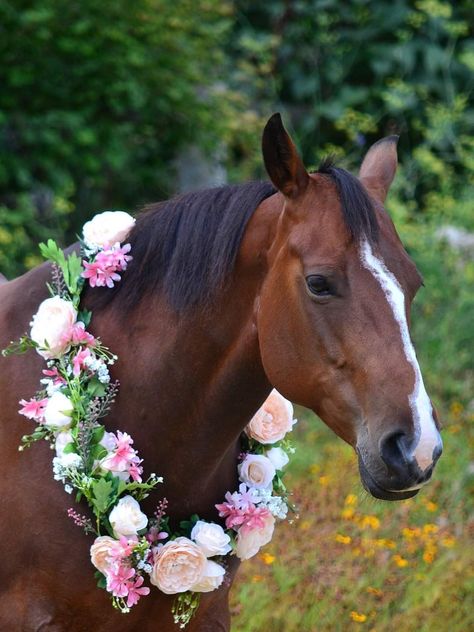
{"x":212,"y":578}
{"x":257,"y":471}
{"x":57,"y":413}
{"x":211,"y":538}
{"x":50,"y":326}
{"x":126,"y":517}
{"x":62,"y":439}
{"x":278,"y":457}
{"x":68,"y":460}
{"x":249,"y":541}
{"x":109,"y":441}
{"x":105,"y":229}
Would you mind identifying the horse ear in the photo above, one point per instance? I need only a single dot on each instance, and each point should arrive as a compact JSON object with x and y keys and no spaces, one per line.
{"x":282,"y":161}
{"x":379,"y":167}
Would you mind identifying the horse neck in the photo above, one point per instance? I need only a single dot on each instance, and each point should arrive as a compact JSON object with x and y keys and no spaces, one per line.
{"x":190,"y":383}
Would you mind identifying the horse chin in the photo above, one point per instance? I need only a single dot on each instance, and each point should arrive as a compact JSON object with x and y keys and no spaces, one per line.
{"x":379,"y":492}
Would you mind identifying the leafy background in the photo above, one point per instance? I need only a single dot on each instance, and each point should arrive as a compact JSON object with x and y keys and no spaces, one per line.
{"x":100,"y":104}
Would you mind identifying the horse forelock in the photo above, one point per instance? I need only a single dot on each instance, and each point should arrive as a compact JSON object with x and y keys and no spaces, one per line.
{"x":358,"y":210}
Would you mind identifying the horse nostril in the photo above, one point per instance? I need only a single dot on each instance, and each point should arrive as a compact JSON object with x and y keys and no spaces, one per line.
{"x":394,"y":450}
{"x":437,"y":452}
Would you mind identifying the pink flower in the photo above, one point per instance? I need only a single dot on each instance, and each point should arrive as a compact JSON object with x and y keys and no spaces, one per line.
{"x":135,"y":470}
{"x":154,"y":535}
{"x":99,"y":276}
{"x":117,"y":580}
{"x":33,"y":409}
{"x":256,"y":518}
{"x":135,"y":591}
{"x":77,"y":335}
{"x":123,"y":455}
{"x":122,"y":548}
{"x":233,"y":516}
{"x":78,"y":362}
{"x":54,"y":375}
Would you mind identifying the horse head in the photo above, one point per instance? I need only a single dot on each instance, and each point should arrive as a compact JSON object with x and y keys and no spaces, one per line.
{"x":334,"y":310}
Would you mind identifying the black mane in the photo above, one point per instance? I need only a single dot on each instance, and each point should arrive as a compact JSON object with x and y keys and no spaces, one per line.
{"x":187,"y":246}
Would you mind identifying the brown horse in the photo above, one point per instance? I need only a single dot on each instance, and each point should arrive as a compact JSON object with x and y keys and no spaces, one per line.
{"x":305,"y":287}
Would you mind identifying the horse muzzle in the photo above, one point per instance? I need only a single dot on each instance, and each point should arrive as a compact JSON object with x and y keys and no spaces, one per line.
{"x":395,"y":473}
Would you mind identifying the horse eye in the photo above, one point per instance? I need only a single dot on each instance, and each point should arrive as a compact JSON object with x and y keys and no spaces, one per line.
{"x":318,"y":285}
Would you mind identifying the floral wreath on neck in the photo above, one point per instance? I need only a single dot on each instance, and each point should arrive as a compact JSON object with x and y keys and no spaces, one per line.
{"x":104,"y":469}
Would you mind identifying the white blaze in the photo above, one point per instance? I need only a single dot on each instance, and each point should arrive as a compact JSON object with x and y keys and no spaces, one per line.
{"x":427,"y":436}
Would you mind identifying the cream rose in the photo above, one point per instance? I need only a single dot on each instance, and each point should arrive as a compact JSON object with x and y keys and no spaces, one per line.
{"x":179,"y":565}
{"x":257,"y":471}
{"x":212,"y":578}
{"x":278,"y":457}
{"x":249,"y":542}
{"x":272,"y":420}
{"x":62,"y":439}
{"x":50,"y":326}
{"x":100,"y":552}
{"x":58,"y":410}
{"x":108,"y":228}
{"x":211,"y":538}
{"x":126,"y":517}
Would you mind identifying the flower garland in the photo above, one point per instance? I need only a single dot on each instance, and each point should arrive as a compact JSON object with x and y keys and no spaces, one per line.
{"x":103,"y":467}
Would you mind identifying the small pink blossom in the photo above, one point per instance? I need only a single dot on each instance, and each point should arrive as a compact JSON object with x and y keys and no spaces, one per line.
{"x":117,"y":580}
{"x":123,"y":455}
{"x":34,"y":408}
{"x":136,"y":470}
{"x":78,"y":362}
{"x":77,"y":335}
{"x":154,"y":535}
{"x":99,"y":276}
{"x":135,"y":592}
{"x":122,"y":549}
{"x":256,"y":518}
{"x":54,"y":375}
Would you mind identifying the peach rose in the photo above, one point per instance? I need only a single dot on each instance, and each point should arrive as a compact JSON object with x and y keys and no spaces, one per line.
{"x":249,"y":541}
{"x":50,"y":324}
{"x":179,"y":565}
{"x":272,"y":420}
{"x":100,"y":552}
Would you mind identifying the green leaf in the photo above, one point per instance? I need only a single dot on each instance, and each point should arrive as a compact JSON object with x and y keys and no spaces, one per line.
{"x":74,"y":267}
{"x":84,"y":316}
{"x":103,"y":495}
{"x":97,"y":434}
{"x":96,"y":388}
{"x":69,"y":448}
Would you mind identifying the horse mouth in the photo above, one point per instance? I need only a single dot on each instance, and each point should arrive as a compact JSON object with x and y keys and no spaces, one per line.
{"x":371,"y":485}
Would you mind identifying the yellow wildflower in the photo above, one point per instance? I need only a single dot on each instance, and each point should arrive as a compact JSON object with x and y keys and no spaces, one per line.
{"x":428,"y":556}
{"x":431,"y":506}
{"x":324,"y":480}
{"x":370,"y":521}
{"x":351,"y":499}
{"x":400,"y":561}
{"x":347,"y":513}
{"x":448,"y":541}
{"x":358,"y":616}
{"x":256,"y":579}
{"x":430,"y":528}
{"x":383,"y":543}
{"x":374,"y":591}
{"x":267,"y":558}
{"x":411,"y":533}
{"x":305,"y":525}
{"x":343,"y":539}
